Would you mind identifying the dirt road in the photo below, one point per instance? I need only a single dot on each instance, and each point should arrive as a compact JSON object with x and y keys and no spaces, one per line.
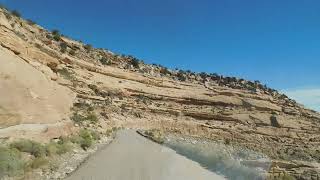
{"x":133,"y":157}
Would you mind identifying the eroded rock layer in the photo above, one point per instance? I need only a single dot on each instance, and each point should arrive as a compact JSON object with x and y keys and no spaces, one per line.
{"x":42,"y":75}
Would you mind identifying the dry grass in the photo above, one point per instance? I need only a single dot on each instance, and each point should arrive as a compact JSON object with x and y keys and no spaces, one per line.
{"x":11,"y":163}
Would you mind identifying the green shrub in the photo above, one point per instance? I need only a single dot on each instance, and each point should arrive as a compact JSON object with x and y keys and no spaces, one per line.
{"x":75,"y":139}
{"x":56,"y":35}
{"x":181,"y":75}
{"x":48,"y":36}
{"x":63,"y":47}
{"x":274,"y":121}
{"x":105,"y":61}
{"x":11,"y":163}
{"x":92,"y":118}
{"x":85,"y":138}
{"x":90,"y":108}
{"x":109,"y":132}
{"x":38,"y":162}
{"x":135,"y":62}
{"x":288,"y":177}
{"x":60,"y":147}
{"x":88,"y":47}
{"x":155,"y":135}
{"x":32,"y":147}
{"x":55,"y":31}
{"x":72,"y":52}
{"x":31,"y":22}
{"x":114,"y":129}
{"x":16,"y":13}
{"x":95,"y":135}
{"x":165,"y":71}
{"x":282,"y":176}
{"x":79,"y":119}
{"x":65,"y":73}
{"x":8,"y":16}
{"x":63,"y":148}
{"x":85,"y":143}
{"x":51,"y":149}
{"x":84,"y":106}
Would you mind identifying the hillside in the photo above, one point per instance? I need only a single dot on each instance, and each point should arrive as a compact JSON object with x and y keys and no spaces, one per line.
{"x":48,"y":82}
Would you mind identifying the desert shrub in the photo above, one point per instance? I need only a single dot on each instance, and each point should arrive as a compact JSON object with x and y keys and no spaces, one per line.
{"x":134,"y":62}
{"x":164,"y":71}
{"x":94,"y":88}
{"x":85,"y":143}
{"x":11,"y":163}
{"x":95,"y":135}
{"x":282,"y":176}
{"x":87,"y":47}
{"x":203,"y":75}
{"x":83,"y":106}
{"x":51,"y":148}
{"x":55,"y":31}
{"x":8,"y":16}
{"x":90,"y":108}
{"x":227,"y":141}
{"x":98,"y":91}
{"x":288,"y":177}
{"x":155,"y":135}
{"x":60,"y":147}
{"x":92,"y":118}
{"x":105,"y":61}
{"x":274,"y":122}
{"x":29,"y":146}
{"x":31,"y":22}
{"x":48,"y":36}
{"x":109,"y":132}
{"x":181,"y":76}
{"x":75,"y":139}
{"x":72,"y":52}
{"x":85,"y":138}
{"x":56,"y":35}
{"x":63,"y":47}
{"x":38,"y":162}
{"x":79,"y":119}
{"x":66,"y":74}
{"x":16,"y":13}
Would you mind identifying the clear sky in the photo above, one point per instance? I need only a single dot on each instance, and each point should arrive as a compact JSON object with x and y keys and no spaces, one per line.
{"x":274,"y":41}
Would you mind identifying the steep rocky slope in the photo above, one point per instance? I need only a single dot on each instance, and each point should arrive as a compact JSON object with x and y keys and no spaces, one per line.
{"x":44,"y":74}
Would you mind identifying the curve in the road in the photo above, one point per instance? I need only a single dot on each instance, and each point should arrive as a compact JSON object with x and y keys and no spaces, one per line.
{"x":133,"y":157}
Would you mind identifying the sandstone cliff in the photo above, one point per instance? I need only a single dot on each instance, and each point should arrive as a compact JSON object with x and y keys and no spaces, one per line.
{"x":46,"y":78}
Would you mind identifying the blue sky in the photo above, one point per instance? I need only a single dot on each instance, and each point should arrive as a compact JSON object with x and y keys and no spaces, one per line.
{"x":276,"y":42}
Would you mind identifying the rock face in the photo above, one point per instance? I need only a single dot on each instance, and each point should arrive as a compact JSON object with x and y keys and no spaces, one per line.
{"x":39,"y":82}
{"x":28,"y":97}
